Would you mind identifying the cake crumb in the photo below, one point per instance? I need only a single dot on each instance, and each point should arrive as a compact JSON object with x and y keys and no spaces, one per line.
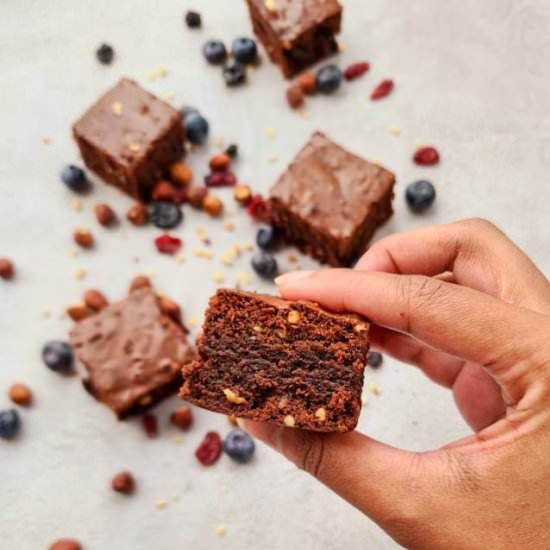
{"x":178,"y":439}
{"x":321,"y":414}
{"x":288,"y":421}
{"x":116,"y":107}
{"x":161,"y":503}
{"x":395,"y":129}
{"x":270,"y":132}
{"x":220,"y":530}
{"x":373,"y":388}
{"x":233,"y":397}
{"x":218,"y":277}
{"x":219,"y":141}
{"x":76,"y":204}
{"x":79,"y":273}
{"x":272,"y":158}
{"x":228,"y":225}
{"x":201,"y":252}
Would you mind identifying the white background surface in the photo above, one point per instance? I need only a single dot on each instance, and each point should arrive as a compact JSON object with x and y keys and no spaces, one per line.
{"x":472,"y":78}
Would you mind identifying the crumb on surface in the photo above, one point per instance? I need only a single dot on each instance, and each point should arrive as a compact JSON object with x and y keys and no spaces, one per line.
{"x":76,"y":204}
{"x":341,"y":46}
{"x":219,"y":141}
{"x":218,"y":277}
{"x":228,"y":225}
{"x":244,"y":278}
{"x":46,"y":140}
{"x":395,"y":129}
{"x":180,"y":258}
{"x":220,"y":530}
{"x":79,"y":273}
{"x":160,"y":503}
{"x":272,"y":158}
{"x":270,"y":132}
{"x":373,"y":388}
{"x":178,"y":439}
{"x":192,"y":321}
{"x":202,"y":252}
{"x":364,"y":400}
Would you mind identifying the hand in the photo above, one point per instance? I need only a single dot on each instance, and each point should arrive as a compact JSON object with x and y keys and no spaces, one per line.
{"x":464,"y":304}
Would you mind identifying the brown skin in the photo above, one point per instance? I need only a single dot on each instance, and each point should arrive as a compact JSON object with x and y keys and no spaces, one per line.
{"x":465,"y":305}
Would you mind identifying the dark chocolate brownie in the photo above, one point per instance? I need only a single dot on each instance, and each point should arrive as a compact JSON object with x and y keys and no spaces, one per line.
{"x":132,"y":352}
{"x":329,"y":201}
{"x":129,"y":138}
{"x":296,"y":33}
{"x":271,"y":360}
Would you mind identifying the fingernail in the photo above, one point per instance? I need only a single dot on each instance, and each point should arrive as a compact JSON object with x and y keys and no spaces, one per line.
{"x":289,"y":278}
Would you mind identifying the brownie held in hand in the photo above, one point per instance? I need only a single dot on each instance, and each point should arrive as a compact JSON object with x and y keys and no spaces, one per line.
{"x":272,"y":360}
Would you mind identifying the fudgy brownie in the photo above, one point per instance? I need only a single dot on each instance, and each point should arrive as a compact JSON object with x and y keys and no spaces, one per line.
{"x":329,"y":201}
{"x":132,"y":352}
{"x":271,"y":360}
{"x":129,"y":138}
{"x":296,"y":33}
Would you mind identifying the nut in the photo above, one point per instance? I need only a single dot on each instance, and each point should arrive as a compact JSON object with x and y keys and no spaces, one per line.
{"x":95,"y":300}
{"x":196,"y":195}
{"x":163,"y":191}
{"x":360,"y":327}
{"x":294,"y":96}
{"x":124,"y":483}
{"x":212,"y":205}
{"x":78,"y":312}
{"x":294,"y":317}
{"x":104,"y":214}
{"x":182,"y":417}
{"x":321,"y":414}
{"x":170,"y":308}
{"x":83,"y":238}
{"x":288,"y":421}
{"x":242,"y":194}
{"x":220,"y":162}
{"x":306,"y":83}
{"x":232,"y":420}
{"x":20,"y":394}
{"x":181,"y":174}
{"x":137,"y":214}
{"x":65,"y":544}
{"x":139,"y":282}
{"x":6,"y":269}
{"x":233,"y":397}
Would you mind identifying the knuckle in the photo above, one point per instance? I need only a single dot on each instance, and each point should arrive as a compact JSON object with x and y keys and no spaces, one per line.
{"x":477,"y":225}
{"x":311,"y":453}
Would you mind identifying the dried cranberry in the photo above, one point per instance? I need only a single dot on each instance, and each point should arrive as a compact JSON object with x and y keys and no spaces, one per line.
{"x":150,"y":425}
{"x":166,"y":244}
{"x":356,"y":70}
{"x":220,"y":179}
{"x":257,"y":208}
{"x":426,"y":156}
{"x":210,"y":449}
{"x":382,"y":90}
{"x":180,"y":196}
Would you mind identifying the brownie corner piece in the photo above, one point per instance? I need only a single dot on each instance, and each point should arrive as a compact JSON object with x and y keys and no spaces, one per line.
{"x":129,"y":138}
{"x":330,"y":201}
{"x":271,"y":360}
{"x":296,"y":33}
{"x":132,"y":352}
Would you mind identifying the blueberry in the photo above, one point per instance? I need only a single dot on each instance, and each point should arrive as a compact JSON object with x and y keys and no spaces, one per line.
{"x":244,"y":50}
{"x":234,"y":73}
{"x":58,"y":356}
{"x":232,"y":150}
{"x":9,"y":423}
{"x":374,"y":359}
{"x":328,"y":79}
{"x":193,"y":19}
{"x":264,"y":265}
{"x":164,"y":214}
{"x":74,"y":178}
{"x":196,"y":127}
{"x":266,"y":236}
{"x":105,"y":54}
{"x":187,"y":110}
{"x":239,"y":446}
{"x":420,"y":195}
{"x":214,"y":52}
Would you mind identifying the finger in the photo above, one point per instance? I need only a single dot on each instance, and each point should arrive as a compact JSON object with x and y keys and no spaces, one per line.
{"x":454,"y":319}
{"x":474,"y":251}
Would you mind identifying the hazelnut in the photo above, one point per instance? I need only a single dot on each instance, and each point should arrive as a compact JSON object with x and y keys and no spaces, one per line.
{"x":195,"y":196}
{"x":123,"y":482}
{"x":163,"y":191}
{"x":95,"y":300}
{"x":137,"y":214}
{"x":242,"y":194}
{"x":233,"y":397}
{"x":170,"y":309}
{"x":306,"y":83}
{"x":212,"y":205}
{"x":78,"y":312}
{"x":182,"y":417}
{"x":6,"y":269}
{"x":20,"y":394}
{"x":181,"y":174}
{"x":294,"y":96}
{"x":139,"y":282}
{"x":104,"y":214}
{"x":65,"y":544}
{"x":220,"y":162}
{"x":83,"y":238}
{"x":321,"y":414}
{"x":293,"y":317}
{"x":289,"y":421}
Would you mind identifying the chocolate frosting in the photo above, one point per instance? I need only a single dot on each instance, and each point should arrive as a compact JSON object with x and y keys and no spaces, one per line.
{"x":330,"y":187}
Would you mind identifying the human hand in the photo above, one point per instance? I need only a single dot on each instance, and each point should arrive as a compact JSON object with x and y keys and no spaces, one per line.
{"x":464,"y":304}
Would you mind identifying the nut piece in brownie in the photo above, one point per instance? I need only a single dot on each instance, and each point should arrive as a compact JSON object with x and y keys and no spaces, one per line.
{"x":129,"y":138}
{"x":296,"y":33}
{"x":329,"y":201}
{"x":271,"y":360}
{"x":133,"y":353}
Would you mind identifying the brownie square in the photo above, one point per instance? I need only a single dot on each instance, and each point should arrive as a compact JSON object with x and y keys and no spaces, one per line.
{"x":132,"y":352}
{"x":129,"y":138}
{"x":296,"y":33}
{"x":329,"y":201}
{"x":271,"y":360}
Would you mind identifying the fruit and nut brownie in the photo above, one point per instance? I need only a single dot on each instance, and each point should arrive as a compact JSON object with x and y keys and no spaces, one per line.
{"x":129,"y":138}
{"x":133,"y":352}
{"x":329,"y":201}
{"x":296,"y":33}
{"x":272,"y":360}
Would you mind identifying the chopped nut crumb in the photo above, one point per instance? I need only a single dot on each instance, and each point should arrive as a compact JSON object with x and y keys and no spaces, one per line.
{"x":192,"y":321}
{"x":168,"y":96}
{"x":288,"y":421}
{"x":218,"y":277}
{"x":232,"y":420}
{"x":76,"y":204}
{"x":161,"y":503}
{"x":79,"y":273}
{"x":233,"y":397}
{"x":270,"y":132}
{"x":228,"y":225}
{"x":248,"y":247}
{"x":272,"y":158}
{"x":162,"y":71}
{"x":293,"y":317}
{"x":364,"y":400}
{"x":292,"y":258}
{"x":46,"y":140}
{"x":219,"y":141}
{"x":395,"y":129}
{"x":174,"y":497}
{"x":178,"y":439}
{"x":360,"y":327}
{"x":116,"y":107}
{"x":321,"y":414}
{"x":74,"y":252}
{"x":201,"y":252}
{"x":373,"y":388}
{"x":244,"y":278}
{"x":151,"y":274}
{"x":220,"y":530}
{"x":180,"y":258}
